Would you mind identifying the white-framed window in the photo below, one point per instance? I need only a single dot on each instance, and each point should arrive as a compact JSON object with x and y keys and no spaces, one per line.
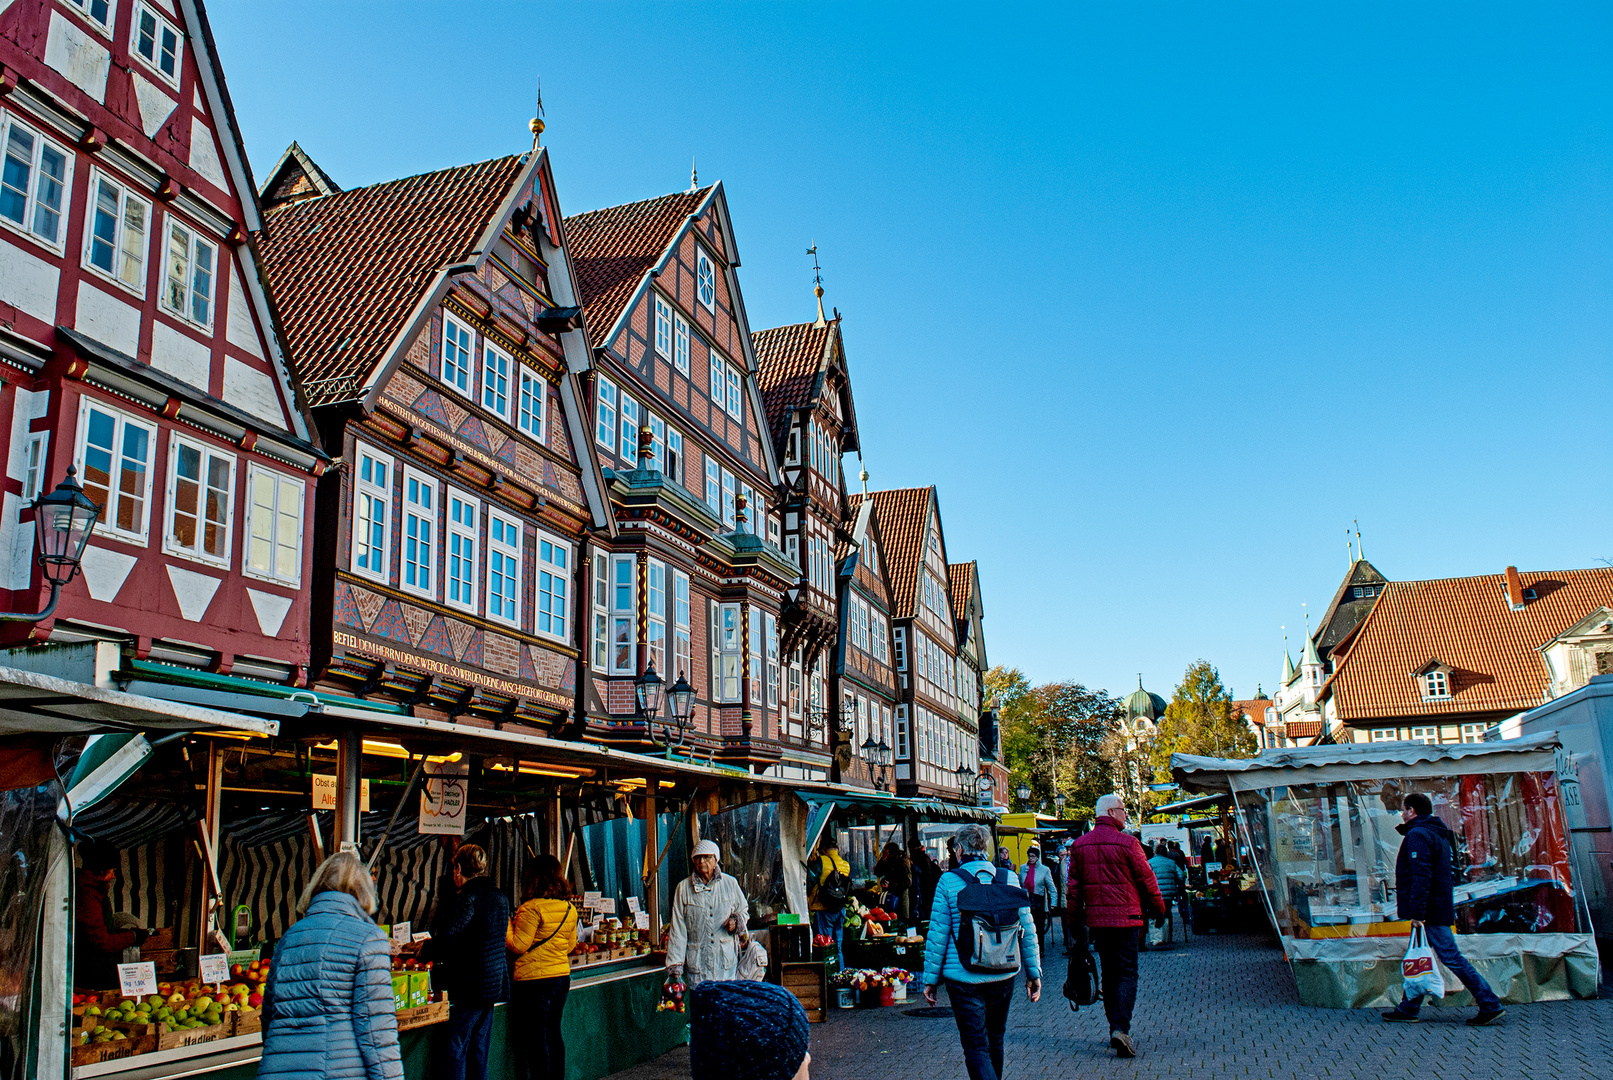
{"x":705,"y":281}
{"x":719,"y":379}
{"x":657,"y":445}
{"x":771,"y":622}
{"x":900,"y":634}
{"x":901,"y":731}
{"x":420,"y":508}
{"x":460,"y":543}
{"x":190,"y":266}
{"x":98,"y":12}
{"x":794,"y":692}
{"x":115,"y":240}
{"x":682,"y":612}
{"x":33,"y":482}
{"x":754,"y":655}
{"x":605,"y":414}
{"x":655,"y":600}
{"x":882,"y":651}
{"x":34,"y":182}
{"x":273,"y":533}
{"x":1436,"y":685}
{"x":729,"y":507}
{"x":201,"y":501}
{"x":622,"y":639}
{"x":503,"y":568}
{"x":630,"y":414}
{"x":663,"y":331}
{"x":714,"y":647}
{"x":1429,"y":735}
{"x":674,"y":456}
{"x":1473,"y":733}
{"x":680,"y":344}
{"x":114,"y":461}
{"x":156,"y":41}
{"x":714,"y":487}
{"x":730,"y":642}
{"x":554,"y":560}
{"x":372,"y":500}
{"x":530,"y":414}
{"x":1384,"y":734}
{"x":497,"y":367}
{"x":457,"y":339}
{"x":733,"y":392}
{"x":601,"y":606}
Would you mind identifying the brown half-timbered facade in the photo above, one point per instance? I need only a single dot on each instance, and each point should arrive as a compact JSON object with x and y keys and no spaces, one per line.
{"x":138,"y":347}
{"x":932,"y":740}
{"x":693,"y":582}
{"x":436,"y":320}
{"x":864,"y":677}
{"x":969,"y":617}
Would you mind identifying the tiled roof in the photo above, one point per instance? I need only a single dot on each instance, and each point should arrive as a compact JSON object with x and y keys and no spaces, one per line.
{"x":903,"y":515}
{"x":963,"y":588}
{"x":788,"y":359}
{"x":612,"y":249}
{"x":1467,"y":625}
{"x":1254,"y":709}
{"x":346,"y":269}
{"x":1302,"y":729}
{"x":1346,"y":611}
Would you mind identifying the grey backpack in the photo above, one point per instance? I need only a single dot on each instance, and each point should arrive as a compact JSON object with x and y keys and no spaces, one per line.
{"x":990,"y":934}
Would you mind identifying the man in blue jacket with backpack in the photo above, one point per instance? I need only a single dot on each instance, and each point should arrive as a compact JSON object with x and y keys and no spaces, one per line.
{"x":981,"y":936}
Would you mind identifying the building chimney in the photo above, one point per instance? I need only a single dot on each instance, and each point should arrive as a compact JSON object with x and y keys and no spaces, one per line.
{"x":1514,"y":589}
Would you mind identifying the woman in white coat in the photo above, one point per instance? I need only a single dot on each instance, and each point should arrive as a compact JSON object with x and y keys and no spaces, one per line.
{"x":708,"y":921}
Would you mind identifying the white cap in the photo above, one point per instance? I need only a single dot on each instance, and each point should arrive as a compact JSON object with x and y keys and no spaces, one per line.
{"x":1107,"y":804}
{"x":706,"y":847}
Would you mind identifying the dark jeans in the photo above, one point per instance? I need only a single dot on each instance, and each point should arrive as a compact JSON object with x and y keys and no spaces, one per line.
{"x":981,"y":1010}
{"x":1039,"y":917}
{"x":536,"y":1006}
{"x":470,"y":1031}
{"x":831,"y":924}
{"x":1443,"y":942}
{"x":1117,"y":962}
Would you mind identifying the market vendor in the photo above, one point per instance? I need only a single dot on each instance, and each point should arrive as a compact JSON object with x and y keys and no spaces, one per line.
{"x":708,"y":921}
{"x":100,"y":941}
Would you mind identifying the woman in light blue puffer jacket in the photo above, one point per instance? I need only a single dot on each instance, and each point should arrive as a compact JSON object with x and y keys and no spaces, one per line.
{"x":328,"y":1011}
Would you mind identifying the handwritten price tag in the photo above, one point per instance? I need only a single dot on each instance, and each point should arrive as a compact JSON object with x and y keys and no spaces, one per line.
{"x":215,"y":968}
{"x":641,"y":920}
{"x":137,"y":980}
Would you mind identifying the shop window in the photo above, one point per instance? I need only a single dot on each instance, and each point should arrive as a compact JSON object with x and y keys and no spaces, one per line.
{"x":273,"y":526}
{"x":114,"y":460}
{"x":201,"y":501}
{"x":34,"y":183}
{"x":463,"y":520}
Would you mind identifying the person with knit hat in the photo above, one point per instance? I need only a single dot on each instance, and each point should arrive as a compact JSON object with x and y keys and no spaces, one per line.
{"x":747,"y":1031}
{"x":709,"y":911}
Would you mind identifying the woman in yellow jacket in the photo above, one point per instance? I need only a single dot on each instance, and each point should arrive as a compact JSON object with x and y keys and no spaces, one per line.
{"x":542,"y":933}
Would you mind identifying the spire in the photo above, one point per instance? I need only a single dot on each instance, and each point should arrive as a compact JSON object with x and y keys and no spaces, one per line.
{"x":694,"y":174}
{"x":535,"y":125}
{"x":1349,"y":546}
{"x":862,"y":474}
{"x":1288,"y":661}
{"x":817,"y":286}
{"x":1311,"y":656}
{"x":1360,"y":548}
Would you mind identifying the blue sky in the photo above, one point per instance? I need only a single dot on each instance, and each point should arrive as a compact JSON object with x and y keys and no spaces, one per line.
{"x":1160,"y":296}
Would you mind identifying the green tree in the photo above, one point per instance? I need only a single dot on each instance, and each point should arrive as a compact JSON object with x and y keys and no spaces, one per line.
{"x":1199,"y":720}
{"x":1050,"y":738}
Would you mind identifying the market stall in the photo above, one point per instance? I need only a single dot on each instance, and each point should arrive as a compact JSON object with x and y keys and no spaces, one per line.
{"x":1320,"y":824}
{"x":1221,"y":882}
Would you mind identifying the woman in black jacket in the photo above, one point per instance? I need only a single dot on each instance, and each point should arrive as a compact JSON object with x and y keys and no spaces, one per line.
{"x":480,"y":975}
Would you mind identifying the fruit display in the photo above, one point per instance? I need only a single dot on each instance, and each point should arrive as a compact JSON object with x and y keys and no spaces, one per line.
{"x":822,"y":941}
{"x":672,"y":995}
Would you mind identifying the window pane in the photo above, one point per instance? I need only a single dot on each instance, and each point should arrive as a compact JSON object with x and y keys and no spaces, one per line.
{"x":187,"y":486}
{"x":104,"y":231}
{"x":201,"y":282}
{"x":216,"y":536}
{"x":15,"y":176}
{"x":178,"y":268}
{"x":48,"y":193}
{"x":133,"y":246}
{"x":132,"y":478}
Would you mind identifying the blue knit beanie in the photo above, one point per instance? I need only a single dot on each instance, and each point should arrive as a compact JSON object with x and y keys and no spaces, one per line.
{"x":745,"y":1030}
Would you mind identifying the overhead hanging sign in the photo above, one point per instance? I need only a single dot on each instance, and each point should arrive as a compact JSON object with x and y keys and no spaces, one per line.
{"x":444,"y":797}
{"x":325,"y":793}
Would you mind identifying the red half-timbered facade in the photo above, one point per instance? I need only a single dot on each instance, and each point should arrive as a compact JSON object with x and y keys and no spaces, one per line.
{"x":807,"y":391}
{"x":694,"y":580}
{"x":436,"y":321}
{"x":138,"y":346}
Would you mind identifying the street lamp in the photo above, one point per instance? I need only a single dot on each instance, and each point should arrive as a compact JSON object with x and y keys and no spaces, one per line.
{"x":680,"y":699}
{"x":1058,"y":802}
{"x":877,"y":756}
{"x":62,"y":523}
{"x":1023,"y":791}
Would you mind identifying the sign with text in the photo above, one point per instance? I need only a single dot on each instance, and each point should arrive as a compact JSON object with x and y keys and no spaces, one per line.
{"x":632,"y":904}
{"x":401,"y":933}
{"x":215,"y":968}
{"x":325,"y":793}
{"x":137,"y":980}
{"x":590,"y":900}
{"x":606,"y":905}
{"x":641,"y":920}
{"x":444,"y":797}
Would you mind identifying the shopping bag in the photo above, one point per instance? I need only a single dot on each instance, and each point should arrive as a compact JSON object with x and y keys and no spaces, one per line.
{"x":1156,"y":933}
{"x":1419,"y":971}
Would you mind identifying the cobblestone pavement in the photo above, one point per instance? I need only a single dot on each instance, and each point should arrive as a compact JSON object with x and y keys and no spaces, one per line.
{"x":1223,"y":1006}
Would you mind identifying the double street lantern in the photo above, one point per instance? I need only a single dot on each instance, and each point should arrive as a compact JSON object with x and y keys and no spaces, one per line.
{"x":1058,"y":803}
{"x":1023,"y":793}
{"x":877,"y":756}
{"x":647,"y":692}
{"x":62,"y":524}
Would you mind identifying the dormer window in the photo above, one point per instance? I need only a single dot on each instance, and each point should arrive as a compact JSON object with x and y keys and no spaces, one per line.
{"x":1436,"y":685}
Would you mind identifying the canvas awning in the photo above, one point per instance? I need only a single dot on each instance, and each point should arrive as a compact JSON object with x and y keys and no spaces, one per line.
{"x":1363,"y":761}
{"x":31,"y":702}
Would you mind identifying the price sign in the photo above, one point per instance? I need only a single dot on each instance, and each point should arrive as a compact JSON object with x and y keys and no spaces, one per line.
{"x":400,"y":933}
{"x":606,"y":905}
{"x":444,"y":797}
{"x":137,"y":980}
{"x":423,"y":935}
{"x":215,"y":968}
{"x":641,"y":920}
{"x":590,"y":900}
{"x":632,"y":904}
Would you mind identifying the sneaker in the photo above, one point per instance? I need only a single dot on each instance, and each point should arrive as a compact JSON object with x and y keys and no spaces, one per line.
{"x":1122,"y":1044}
{"x":1395,"y":1016}
{"x":1485,"y":1019}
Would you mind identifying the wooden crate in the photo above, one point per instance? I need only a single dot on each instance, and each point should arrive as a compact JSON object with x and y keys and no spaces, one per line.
{"x":247,"y":1023}
{"x":809,"y":982}
{"x":420,"y":1016}
{"x":94,"y":1053}
{"x":169,"y":1040}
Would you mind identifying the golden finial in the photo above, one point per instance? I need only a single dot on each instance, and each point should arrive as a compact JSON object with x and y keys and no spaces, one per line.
{"x":535,"y":125}
{"x":817,"y":286}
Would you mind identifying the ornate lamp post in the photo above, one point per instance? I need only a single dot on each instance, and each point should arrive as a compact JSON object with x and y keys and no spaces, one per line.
{"x":1023,"y":792}
{"x":675,"y":729}
{"x":647,"y":690}
{"x":877,"y":756}
{"x":1058,"y":802}
{"x":62,"y":524}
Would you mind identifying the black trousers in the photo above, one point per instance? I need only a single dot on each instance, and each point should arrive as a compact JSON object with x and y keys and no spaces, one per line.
{"x":1117,"y":963}
{"x":536,"y":1006}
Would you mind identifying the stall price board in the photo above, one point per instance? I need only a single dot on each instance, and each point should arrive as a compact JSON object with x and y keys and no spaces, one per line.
{"x":215,"y":968}
{"x":137,"y":980}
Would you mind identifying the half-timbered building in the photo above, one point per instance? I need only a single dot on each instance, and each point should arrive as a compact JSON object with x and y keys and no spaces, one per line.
{"x":932,"y":741}
{"x":864,"y":677}
{"x":969,"y":619}
{"x":436,"y":323}
{"x":807,"y":392}
{"x":138,"y":347}
{"x":694,"y":581}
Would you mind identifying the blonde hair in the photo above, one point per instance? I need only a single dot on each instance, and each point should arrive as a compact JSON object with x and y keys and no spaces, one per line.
{"x":343,"y":872}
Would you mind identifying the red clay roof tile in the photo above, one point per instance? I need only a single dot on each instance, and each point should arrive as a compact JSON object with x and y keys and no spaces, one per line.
{"x":788,"y":359}
{"x":963,"y":588}
{"x":903,"y":515}
{"x":612,"y":249}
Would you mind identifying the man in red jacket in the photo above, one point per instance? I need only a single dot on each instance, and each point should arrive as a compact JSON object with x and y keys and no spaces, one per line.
{"x":1110,"y":886}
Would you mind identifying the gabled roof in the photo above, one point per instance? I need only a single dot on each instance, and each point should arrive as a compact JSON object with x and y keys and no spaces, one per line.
{"x":790,"y":364}
{"x":614,"y":248}
{"x":1468,"y":624}
{"x":963,"y":589}
{"x":295,"y":177}
{"x":1346,"y":611}
{"x":349,"y":268}
{"x":903,"y":515}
